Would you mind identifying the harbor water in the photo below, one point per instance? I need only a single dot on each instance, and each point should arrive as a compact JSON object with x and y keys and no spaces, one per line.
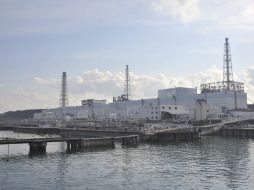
{"x":210,"y":163}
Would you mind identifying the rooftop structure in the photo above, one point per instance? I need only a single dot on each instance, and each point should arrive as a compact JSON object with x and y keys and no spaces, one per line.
{"x":90,"y":102}
{"x":228,"y":83}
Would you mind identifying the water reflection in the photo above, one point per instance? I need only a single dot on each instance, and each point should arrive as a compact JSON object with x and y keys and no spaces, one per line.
{"x":212,"y":163}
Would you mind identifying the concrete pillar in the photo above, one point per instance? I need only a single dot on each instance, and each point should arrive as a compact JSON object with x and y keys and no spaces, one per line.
{"x":130,"y":141}
{"x":74,"y":145}
{"x":38,"y":147}
{"x":68,"y":145}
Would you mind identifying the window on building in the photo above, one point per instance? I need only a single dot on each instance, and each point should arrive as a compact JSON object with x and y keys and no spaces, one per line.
{"x":156,"y":117}
{"x":176,"y":108}
{"x":163,"y":107}
{"x":156,"y":108}
{"x":156,"y":112}
{"x":152,"y":117}
{"x":169,"y":107}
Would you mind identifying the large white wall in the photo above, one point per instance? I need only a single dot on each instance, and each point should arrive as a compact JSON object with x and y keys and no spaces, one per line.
{"x":136,"y":109}
{"x":187,"y":97}
{"x":230,"y":100}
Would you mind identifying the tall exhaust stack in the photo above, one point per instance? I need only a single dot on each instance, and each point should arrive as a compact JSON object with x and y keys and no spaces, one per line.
{"x":227,"y":67}
{"x":64,"y":92}
{"x":127,"y":87}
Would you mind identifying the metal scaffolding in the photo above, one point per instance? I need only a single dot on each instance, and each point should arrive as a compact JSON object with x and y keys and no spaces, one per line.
{"x":228,"y":83}
{"x":222,"y":86}
{"x":127,"y":87}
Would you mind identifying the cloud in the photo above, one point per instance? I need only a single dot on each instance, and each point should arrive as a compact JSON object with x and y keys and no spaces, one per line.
{"x":229,"y":16}
{"x":21,"y":98}
{"x":42,"y":81}
{"x":64,"y":16}
{"x":60,"y":16}
{"x":56,"y":17}
{"x":105,"y":84}
{"x":244,"y":20}
{"x":181,"y":10}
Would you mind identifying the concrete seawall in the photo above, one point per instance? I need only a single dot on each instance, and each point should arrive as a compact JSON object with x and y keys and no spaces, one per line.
{"x":65,"y":132}
{"x":237,"y":132}
{"x":210,"y":129}
{"x":239,"y":128}
{"x":173,"y":135}
{"x":97,"y":142}
{"x":36,"y":130}
{"x":93,"y":133}
{"x":6,"y":128}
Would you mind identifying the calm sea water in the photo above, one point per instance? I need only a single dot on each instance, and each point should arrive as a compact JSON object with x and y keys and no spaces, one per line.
{"x":212,"y":163}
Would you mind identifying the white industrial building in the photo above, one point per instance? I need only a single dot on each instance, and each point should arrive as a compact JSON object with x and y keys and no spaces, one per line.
{"x":173,"y":102}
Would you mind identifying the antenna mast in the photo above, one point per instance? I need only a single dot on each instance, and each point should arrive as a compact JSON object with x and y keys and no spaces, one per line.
{"x":127,"y":88}
{"x":227,"y":67}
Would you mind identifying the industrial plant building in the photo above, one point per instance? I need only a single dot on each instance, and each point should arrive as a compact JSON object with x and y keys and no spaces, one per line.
{"x":214,"y":100}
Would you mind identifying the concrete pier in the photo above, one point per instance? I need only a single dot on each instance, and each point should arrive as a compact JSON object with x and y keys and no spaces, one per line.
{"x":39,"y":145}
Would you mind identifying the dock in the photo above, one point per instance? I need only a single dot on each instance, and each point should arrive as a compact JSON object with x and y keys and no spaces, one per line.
{"x":39,"y":144}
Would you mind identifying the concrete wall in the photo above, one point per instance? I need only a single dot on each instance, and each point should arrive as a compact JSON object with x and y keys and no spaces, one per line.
{"x":97,"y":142}
{"x":230,"y":100}
{"x":136,"y":109}
{"x":179,"y":91}
{"x":173,"y":109}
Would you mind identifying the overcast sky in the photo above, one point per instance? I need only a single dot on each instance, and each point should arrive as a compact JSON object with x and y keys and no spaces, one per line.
{"x":166,"y":43}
